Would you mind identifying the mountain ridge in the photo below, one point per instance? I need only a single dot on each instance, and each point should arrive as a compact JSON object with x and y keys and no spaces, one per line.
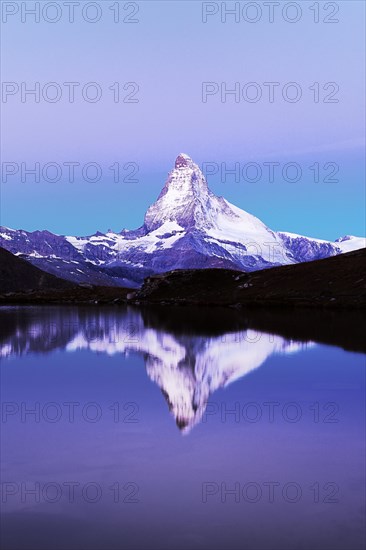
{"x":19,"y":275}
{"x":187,"y":227}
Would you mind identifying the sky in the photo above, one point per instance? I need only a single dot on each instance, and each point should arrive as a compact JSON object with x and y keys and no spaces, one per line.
{"x":160,"y":66}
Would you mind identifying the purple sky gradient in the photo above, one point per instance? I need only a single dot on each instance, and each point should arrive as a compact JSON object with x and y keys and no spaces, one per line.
{"x":169,"y":53}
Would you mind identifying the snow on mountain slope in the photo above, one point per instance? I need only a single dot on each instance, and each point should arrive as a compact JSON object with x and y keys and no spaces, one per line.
{"x":187,"y":201}
{"x":349,"y":243}
{"x":187,"y":227}
{"x":307,"y":248}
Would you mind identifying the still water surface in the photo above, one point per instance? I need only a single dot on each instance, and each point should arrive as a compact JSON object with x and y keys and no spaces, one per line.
{"x":161,"y":429}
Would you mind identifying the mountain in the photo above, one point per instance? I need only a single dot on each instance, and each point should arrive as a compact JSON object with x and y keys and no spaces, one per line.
{"x":188,"y":227}
{"x":331,"y":283}
{"x":334,"y":282}
{"x":17,"y":275}
{"x":56,"y":255}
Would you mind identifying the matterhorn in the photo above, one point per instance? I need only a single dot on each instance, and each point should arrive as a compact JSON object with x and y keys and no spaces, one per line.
{"x":188,"y":227}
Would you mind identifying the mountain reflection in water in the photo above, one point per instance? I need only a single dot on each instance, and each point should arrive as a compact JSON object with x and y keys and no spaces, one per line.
{"x":273,"y":399}
{"x":188,"y":354}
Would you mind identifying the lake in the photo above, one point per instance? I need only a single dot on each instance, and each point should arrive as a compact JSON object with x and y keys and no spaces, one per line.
{"x":179,"y":428}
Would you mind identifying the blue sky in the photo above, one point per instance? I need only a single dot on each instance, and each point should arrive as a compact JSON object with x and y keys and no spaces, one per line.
{"x":169,"y":53}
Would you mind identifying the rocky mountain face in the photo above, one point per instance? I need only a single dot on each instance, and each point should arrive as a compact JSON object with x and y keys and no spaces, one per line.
{"x":188,"y":227}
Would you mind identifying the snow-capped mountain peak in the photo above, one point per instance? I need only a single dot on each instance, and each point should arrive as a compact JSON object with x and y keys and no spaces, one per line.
{"x":188,"y":227}
{"x":186,"y":203}
{"x":184,"y":161}
{"x":184,"y":199}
